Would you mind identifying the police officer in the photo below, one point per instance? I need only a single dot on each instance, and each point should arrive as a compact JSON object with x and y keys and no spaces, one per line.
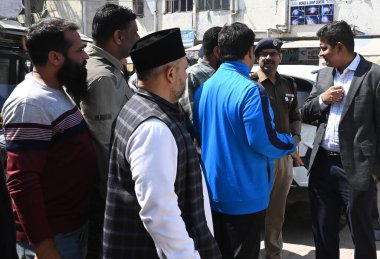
{"x":282,"y":92}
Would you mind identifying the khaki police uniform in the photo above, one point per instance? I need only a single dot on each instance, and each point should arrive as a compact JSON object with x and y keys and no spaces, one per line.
{"x":287,"y":118}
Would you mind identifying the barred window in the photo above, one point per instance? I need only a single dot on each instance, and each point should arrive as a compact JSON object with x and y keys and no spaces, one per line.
{"x":214,"y":5}
{"x":138,"y":7}
{"x":179,"y":6}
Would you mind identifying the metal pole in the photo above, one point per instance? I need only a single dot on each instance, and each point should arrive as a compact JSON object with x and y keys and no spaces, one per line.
{"x":155,"y":17}
{"x":84,"y":16}
{"x":28,"y":13}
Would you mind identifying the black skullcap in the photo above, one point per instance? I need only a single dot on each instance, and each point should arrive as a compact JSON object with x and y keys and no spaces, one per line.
{"x":268,"y":43}
{"x":157,"y":48}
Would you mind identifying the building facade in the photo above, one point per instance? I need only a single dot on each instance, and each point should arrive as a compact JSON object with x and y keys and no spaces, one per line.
{"x":295,"y":21}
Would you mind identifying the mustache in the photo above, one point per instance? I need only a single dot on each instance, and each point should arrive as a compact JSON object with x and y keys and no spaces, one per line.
{"x":268,"y":61}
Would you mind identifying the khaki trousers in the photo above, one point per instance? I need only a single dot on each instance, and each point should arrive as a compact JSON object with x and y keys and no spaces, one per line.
{"x":274,"y":219}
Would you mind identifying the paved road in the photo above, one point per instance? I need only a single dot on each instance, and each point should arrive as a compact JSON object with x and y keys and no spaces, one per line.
{"x":298,"y":239}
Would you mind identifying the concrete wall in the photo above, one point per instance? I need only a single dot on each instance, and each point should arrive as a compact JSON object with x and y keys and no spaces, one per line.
{"x":79,"y":11}
{"x":83,"y":11}
{"x":272,"y":15}
{"x":364,"y":14}
{"x":260,"y":15}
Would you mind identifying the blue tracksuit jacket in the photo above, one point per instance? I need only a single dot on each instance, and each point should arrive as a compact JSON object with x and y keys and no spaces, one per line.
{"x":234,"y":120}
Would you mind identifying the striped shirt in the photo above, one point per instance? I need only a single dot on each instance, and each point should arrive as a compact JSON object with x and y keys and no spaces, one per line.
{"x":197,"y":74}
{"x":51,"y":168}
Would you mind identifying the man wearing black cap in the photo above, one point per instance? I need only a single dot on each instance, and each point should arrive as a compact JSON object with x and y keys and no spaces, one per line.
{"x":283,"y":98}
{"x":154,"y":205}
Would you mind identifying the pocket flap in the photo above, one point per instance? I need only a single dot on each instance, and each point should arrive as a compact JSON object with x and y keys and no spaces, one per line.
{"x":368,"y":149}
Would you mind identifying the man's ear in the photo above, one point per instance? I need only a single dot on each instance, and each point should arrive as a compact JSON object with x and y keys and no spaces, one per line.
{"x":170,"y":74}
{"x":251,"y":54}
{"x":216,"y":52}
{"x":55,"y":58}
{"x":340,"y":46}
{"x":117,"y":36}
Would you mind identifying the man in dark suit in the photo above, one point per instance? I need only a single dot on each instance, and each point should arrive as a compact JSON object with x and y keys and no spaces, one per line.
{"x":345,"y":103}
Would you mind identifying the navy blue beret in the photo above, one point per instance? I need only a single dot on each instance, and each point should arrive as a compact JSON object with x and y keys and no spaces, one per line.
{"x":157,"y":48}
{"x":268,"y":43}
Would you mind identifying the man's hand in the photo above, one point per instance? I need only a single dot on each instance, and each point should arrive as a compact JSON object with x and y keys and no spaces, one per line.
{"x":46,"y":250}
{"x":296,"y":159}
{"x":333,"y":95}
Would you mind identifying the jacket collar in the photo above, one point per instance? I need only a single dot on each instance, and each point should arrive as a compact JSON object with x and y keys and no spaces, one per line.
{"x":95,"y":51}
{"x":352,"y":66}
{"x":262,"y":76}
{"x":360,"y":73}
{"x":159,"y":100}
{"x":237,"y":66}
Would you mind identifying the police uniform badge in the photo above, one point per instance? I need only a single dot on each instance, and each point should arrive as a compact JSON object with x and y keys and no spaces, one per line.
{"x":289,"y":98}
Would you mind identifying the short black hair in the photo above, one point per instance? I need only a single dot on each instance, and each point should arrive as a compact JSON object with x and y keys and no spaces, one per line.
{"x":210,"y":40}
{"x":108,"y":19}
{"x":235,"y":40}
{"x":146,"y":74}
{"x":48,"y":35}
{"x":338,"y":31}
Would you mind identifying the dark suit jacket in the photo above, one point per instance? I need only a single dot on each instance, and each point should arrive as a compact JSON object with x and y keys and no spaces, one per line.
{"x":359,"y":127}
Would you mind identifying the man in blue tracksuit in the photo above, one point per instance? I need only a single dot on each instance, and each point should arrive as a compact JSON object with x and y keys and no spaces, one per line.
{"x":234,"y":120}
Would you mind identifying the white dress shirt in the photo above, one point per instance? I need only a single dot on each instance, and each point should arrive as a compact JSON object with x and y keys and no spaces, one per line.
{"x":331,"y":137}
{"x":152,"y":153}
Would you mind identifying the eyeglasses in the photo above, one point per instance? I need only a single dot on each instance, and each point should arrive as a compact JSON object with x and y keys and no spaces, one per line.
{"x":264,"y":54}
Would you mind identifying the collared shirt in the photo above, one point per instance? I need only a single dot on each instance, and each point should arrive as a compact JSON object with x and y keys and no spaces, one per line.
{"x":153,"y":137}
{"x":155,"y":181}
{"x":197,"y":74}
{"x":331,"y":138}
{"x":283,"y":99}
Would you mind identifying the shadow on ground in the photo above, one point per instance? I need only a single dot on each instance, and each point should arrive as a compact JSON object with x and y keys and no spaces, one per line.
{"x":297,"y":225}
{"x":298,"y":237}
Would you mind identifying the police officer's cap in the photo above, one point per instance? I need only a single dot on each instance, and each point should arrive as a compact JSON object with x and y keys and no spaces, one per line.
{"x":268,"y":43}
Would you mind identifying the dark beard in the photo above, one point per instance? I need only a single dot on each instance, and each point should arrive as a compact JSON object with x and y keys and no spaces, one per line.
{"x":74,"y":77}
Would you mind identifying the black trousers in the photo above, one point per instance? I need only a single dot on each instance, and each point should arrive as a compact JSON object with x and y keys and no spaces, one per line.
{"x":238,"y":236}
{"x":375,"y":211}
{"x":330,"y":193}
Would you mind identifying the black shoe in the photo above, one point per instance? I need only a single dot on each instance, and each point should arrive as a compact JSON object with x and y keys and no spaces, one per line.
{"x":376,"y":225}
{"x":377,"y":234}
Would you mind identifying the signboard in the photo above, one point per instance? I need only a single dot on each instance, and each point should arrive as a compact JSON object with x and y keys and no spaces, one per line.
{"x":187,"y":38}
{"x":311,"y":12}
{"x":305,"y":56}
{"x":308,"y":54}
{"x":289,"y":56}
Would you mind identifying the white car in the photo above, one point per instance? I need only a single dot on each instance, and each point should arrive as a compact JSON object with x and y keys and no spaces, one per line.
{"x":304,"y":76}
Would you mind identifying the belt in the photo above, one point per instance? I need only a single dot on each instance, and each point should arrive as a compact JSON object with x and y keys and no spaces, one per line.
{"x":330,"y":153}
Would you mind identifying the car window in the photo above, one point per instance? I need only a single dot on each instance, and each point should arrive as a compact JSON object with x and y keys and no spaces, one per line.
{"x":13,"y":68}
{"x":6,"y":84}
{"x":303,"y":90}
